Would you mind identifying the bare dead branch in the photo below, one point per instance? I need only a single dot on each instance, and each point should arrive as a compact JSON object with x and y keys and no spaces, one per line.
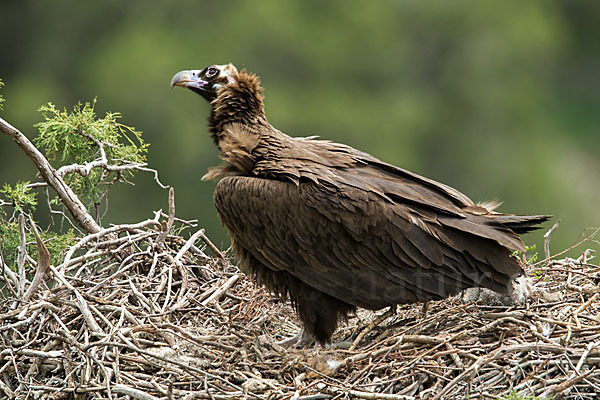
{"x":133,"y":392}
{"x":43,"y":264}
{"x":21,"y":258}
{"x":171,"y":217}
{"x":220,"y":291}
{"x":547,"y":239}
{"x":81,"y":303}
{"x":211,"y":246}
{"x":390,"y":312}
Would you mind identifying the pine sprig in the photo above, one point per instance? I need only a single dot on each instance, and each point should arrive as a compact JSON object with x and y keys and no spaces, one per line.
{"x":21,"y":197}
{"x":80,"y":137}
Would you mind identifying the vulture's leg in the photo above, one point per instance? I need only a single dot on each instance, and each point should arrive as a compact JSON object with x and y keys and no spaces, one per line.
{"x":320,"y":313}
{"x":425,"y":309}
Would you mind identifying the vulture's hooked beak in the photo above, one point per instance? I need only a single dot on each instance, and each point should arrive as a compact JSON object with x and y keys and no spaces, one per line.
{"x":189,"y":79}
{"x":192,"y":80}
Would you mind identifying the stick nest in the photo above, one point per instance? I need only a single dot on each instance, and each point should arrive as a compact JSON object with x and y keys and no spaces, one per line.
{"x":135,"y":313}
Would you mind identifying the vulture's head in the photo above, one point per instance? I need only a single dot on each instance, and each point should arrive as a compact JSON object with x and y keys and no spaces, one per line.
{"x":234,"y":96}
{"x":207,"y":82}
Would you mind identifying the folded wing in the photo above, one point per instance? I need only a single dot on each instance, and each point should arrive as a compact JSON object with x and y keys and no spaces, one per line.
{"x":370,"y":234}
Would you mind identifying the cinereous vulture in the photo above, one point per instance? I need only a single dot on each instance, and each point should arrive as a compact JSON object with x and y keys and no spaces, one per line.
{"x":333,"y":228}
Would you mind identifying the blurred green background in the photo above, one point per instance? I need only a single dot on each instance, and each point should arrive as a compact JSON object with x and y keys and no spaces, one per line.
{"x":498,"y":99}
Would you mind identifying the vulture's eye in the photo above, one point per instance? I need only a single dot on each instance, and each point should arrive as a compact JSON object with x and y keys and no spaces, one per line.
{"x":211,"y":72}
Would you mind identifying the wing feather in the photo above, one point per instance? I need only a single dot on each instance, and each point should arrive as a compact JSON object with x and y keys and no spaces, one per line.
{"x":358,"y":245}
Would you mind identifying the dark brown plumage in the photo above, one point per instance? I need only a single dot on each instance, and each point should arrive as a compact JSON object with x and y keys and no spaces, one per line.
{"x":333,"y":228}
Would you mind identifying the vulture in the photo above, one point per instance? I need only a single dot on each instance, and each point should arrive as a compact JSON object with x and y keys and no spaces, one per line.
{"x":333,"y":228}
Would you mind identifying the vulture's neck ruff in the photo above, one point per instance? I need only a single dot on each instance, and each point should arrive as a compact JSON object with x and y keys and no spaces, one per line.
{"x":238,"y":102}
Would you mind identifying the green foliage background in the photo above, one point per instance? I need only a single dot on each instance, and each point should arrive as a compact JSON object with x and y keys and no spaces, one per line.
{"x":498,"y":99}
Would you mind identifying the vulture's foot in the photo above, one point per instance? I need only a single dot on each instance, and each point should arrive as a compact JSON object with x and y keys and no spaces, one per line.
{"x":299,"y":341}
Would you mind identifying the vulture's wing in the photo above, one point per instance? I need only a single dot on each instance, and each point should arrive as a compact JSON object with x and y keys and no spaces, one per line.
{"x":369,"y":235}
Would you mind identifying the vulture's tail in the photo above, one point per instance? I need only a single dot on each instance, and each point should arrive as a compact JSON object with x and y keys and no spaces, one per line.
{"x":522,"y":223}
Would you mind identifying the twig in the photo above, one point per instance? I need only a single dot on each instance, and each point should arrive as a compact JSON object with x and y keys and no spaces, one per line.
{"x":21,"y":258}
{"x":481,"y":361}
{"x":210,"y":244}
{"x":81,"y":303}
{"x":10,"y":278}
{"x":561,"y":387}
{"x":577,"y":243}
{"x":547,"y":239}
{"x":585,"y":354}
{"x":104,"y":232}
{"x":171,"y":218}
{"x":135,"y":393}
{"x":43,"y":264}
{"x":188,"y":244}
{"x":371,"y":395}
{"x":155,"y":173}
{"x":389,"y":313}
{"x":220,"y":291}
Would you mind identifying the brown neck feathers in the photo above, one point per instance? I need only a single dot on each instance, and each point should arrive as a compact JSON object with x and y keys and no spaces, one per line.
{"x":241,"y":103}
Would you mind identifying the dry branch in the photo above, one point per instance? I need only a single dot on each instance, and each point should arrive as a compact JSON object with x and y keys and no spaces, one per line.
{"x":220,"y":291}
{"x":51,"y":176}
{"x":43,"y":264}
{"x":547,"y":236}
